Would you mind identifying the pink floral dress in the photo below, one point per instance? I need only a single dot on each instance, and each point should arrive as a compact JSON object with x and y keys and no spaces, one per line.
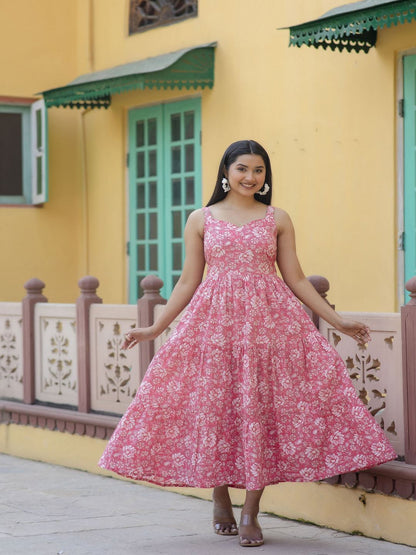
{"x":246,"y":391}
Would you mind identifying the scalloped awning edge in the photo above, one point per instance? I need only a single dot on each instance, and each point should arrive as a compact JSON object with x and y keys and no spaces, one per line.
{"x":352,"y":27}
{"x":187,"y":68}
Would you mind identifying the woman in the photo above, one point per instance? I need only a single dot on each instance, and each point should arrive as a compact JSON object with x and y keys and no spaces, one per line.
{"x":246,"y":392}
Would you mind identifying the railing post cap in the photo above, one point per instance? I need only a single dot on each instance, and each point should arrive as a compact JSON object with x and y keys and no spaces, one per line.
{"x":411,"y":287}
{"x":88,"y":284}
{"x":151,"y":283}
{"x":320,"y":283}
{"x":34,"y":285}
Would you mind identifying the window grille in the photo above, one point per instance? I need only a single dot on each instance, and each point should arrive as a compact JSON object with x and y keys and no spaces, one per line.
{"x":147,"y":14}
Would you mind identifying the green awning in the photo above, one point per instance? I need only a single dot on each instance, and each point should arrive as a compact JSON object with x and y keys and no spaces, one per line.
{"x":189,"y":68}
{"x":352,"y":26}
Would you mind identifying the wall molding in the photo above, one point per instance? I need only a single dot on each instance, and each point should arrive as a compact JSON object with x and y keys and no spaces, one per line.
{"x":63,"y":420}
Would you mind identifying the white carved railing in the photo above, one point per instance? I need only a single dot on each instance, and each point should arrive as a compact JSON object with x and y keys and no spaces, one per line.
{"x":42,"y":376}
{"x":11,"y":359}
{"x":115,"y":373}
{"x":375,"y":370}
{"x":111,"y":376}
{"x":56,"y":354}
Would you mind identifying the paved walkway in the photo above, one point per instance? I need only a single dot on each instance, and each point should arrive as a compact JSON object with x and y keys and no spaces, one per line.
{"x":51,"y":510}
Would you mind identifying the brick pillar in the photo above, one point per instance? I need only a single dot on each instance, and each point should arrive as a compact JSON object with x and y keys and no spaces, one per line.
{"x":88,"y":286}
{"x":151,"y":286}
{"x":321,"y":284}
{"x":34,"y":295}
{"x":408,"y":317}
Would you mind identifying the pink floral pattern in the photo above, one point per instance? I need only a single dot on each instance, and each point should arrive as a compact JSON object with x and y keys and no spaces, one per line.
{"x":246,"y":392}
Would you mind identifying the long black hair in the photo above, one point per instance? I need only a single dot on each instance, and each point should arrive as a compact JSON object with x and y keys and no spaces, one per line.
{"x":230,"y":156}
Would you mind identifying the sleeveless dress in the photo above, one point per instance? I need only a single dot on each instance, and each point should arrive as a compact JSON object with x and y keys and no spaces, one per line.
{"x":246,"y":391}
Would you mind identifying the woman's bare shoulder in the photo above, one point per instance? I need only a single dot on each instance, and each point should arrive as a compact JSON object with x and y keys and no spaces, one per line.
{"x":281,"y":217}
{"x":196,"y":220}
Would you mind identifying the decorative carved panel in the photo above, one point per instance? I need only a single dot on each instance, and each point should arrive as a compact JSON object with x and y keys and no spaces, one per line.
{"x":376,"y":370}
{"x":11,"y":363}
{"x":56,"y":354}
{"x":147,"y":14}
{"x":114,"y":371}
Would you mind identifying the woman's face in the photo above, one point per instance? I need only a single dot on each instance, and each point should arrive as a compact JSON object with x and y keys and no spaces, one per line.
{"x":247,"y":174}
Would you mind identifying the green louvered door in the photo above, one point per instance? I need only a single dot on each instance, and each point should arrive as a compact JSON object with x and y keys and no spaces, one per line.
{"x":409,"y":167}
{"x":164,"y":178}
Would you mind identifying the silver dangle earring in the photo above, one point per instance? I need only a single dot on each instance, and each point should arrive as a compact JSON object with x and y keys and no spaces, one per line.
{"x":225,"y":185}
{"x":264,"y":190}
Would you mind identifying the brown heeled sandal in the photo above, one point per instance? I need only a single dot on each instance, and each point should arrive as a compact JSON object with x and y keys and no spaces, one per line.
{"x":225,"y":528}
{"x":248,"y":520}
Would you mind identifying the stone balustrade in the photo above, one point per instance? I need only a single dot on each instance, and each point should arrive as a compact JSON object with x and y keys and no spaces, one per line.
{"x":62,"y":368}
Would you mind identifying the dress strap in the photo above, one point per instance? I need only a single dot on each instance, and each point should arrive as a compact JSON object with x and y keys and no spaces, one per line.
{"x":270,"y":217}
{"x":270,"y":211}
{"x":207,"y":214}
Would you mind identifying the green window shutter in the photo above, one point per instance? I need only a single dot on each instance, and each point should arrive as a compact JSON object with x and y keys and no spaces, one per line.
{"x":39,"y":152}
{"x":409,"y":166}
{"x":146,"y":195}
{"x":183,"y":179}
{"x":164,"y":185}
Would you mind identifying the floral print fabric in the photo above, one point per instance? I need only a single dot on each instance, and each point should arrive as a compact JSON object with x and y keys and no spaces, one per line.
{"x":246,"y":391}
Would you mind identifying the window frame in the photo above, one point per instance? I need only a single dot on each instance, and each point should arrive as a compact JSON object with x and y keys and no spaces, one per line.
{"x":161,"y":112}
{"x":24,"y":112}
{"x":32,"y":150}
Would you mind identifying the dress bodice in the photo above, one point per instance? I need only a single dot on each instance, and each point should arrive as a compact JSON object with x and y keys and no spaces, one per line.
{"x":243,"y":249}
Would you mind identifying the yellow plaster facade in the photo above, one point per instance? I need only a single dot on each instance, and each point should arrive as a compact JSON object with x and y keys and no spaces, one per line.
{"x":328,"y":119}
{"x":379,"y":516}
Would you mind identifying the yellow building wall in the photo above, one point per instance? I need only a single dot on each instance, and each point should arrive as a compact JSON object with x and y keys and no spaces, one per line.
{"x":37,"y":52}
{"x":328,"y":120}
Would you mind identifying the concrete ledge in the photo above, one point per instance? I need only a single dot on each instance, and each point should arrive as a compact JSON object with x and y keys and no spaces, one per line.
{"x":333,"y":506}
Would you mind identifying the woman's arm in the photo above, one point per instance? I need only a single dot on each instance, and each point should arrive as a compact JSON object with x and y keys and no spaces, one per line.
{"x":191,"y":277}
{"x":294,"y":277}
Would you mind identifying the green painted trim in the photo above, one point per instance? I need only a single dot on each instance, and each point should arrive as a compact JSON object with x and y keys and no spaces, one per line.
{"x":26,"y":198}
{"x":352,"y":27}
{"x":135,"y":116}
{"x":182,"y":107}
{"x":46,"y":155}
{"x":409,"y":66}
{"x":189,"y":68}
{"x":164,"y":189}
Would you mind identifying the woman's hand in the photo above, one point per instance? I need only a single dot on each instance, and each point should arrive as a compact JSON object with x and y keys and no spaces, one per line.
{"x":357,"y":330}
{"x":136,"y":335}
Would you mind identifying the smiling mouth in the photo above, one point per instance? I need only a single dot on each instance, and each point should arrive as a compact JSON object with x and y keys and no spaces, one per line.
{"x":247,"y":186}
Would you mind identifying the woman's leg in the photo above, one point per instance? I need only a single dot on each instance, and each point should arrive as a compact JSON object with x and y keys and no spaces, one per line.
{"x":224,"y":521}
{"x":250,"y":531}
